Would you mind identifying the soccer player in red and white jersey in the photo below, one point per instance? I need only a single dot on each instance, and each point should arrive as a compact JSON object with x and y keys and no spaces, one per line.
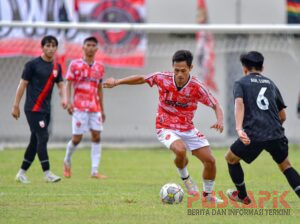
{"x":179,"y":94}
{"x":85,"y":75}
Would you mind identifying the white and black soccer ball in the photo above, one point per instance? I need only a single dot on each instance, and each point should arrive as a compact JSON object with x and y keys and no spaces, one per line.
{"x":171,"y":193}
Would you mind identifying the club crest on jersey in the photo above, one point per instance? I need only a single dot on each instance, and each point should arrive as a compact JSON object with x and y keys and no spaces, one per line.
{"x":168,"y":136}
{"x":42,"y":124}
{"x":78,"y":124}
{"x":55,"y":73}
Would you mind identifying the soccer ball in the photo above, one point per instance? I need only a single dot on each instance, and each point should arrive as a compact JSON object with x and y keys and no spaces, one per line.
{"x":171,"y":193}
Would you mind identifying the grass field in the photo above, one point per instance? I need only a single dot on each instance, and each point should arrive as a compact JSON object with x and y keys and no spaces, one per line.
{"x":131,"y":194}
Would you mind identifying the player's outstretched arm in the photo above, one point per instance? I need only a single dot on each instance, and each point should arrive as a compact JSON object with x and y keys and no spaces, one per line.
{"x":219,"y":125}
{"x":130,"y":80}
{"x":239,"y":111}
{"x":19,"y":94}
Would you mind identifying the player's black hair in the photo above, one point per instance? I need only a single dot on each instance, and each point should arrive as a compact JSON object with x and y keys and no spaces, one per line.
{"x":92,"y":39}
{"x":252,"y":59}
{"x":183,"y":55}
{"x":49,"y":39}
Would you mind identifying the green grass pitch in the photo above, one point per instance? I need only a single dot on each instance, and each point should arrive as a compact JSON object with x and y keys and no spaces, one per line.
{"x":131,"y":194}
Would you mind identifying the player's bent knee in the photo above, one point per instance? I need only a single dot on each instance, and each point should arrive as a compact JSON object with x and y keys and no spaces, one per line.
{"x":210,"y":163}
{"x":95,"y":136}
{"x":42,"y":137}
{"x":231,"y":158}
{"x":76,"y":140}
{"x":284,"y":165}
{"x":180,"y":153}
{"x":96,"y":139}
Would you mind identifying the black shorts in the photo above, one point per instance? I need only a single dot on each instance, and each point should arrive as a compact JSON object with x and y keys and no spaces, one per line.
{"x":38,"y":122}
{"x":278,"y":148}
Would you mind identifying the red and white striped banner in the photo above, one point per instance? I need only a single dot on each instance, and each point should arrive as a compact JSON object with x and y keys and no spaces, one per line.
{"x":117,"y":48}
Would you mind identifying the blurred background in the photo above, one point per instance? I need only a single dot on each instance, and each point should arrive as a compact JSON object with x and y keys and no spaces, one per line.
{"x":131,"y":110}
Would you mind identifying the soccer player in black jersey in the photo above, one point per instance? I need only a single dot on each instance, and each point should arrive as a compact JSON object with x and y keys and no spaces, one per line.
{"x":38,"y":78}
{"x":259,"y":114}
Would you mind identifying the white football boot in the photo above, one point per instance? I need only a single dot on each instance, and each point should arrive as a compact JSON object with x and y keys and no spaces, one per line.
{"x":22,"y":178}
{"x":210,"y":198}
{"x":51,"y":177}
{"x":190,"y":186}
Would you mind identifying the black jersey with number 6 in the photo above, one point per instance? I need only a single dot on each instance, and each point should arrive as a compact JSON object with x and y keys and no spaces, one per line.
{"x":262,"y":101}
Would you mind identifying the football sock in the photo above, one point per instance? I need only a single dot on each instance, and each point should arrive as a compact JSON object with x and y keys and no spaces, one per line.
{"x":42,"y":140}
{"x":47,"y":173}
{"x":69,"y":152}
{"x":29,"y":153}
{"x":237,"y":176}
{"x":96,"y":156}
{"x":184,"y":174}
{"x":21,"y":171}
{"x":294,"y":179}
{"x":208,"y":186}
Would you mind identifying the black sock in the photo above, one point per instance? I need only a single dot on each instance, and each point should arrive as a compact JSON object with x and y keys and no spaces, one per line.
{"x":294,"y":179}
{"x":237,"y":176}
{"x":42,"y":140}
{"x":29,"y":153}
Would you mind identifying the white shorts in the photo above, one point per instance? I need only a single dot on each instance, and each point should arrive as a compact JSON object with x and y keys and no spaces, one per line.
{"x":83,"y":121}
{"x":193,"y":138}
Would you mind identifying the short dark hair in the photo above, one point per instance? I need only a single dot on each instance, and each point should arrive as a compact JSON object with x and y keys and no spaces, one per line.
{"x":92,"y":39}
{"x":183,"y":55}
{"x":252,"y":59}
{"x":49,"y":39}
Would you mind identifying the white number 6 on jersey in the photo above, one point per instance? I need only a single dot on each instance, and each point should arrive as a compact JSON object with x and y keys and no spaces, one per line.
{"x":262,"y":101}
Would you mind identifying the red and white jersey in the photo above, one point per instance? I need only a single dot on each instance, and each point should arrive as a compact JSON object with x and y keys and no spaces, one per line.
{"x":86,"y":80}
{"x":176,"y":108}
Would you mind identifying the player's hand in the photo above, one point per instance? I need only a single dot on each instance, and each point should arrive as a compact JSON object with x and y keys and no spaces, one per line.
{"x":243,"y":137}
{"x":64,"y":104}
{"x":109,"y":83}
{"x":218,"y":126}
{"x":70,"y":108}
{"x":103,"y":117}
{"x":15,"y":112}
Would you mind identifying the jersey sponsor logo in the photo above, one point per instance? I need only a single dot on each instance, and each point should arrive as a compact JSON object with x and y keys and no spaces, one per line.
{"x":42,"y":124}
{"x":176,"y":104}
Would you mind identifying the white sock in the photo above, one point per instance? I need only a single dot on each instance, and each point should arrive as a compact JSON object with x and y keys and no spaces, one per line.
{"x":208,"y":185}
{"x":69,"y":152}
{"x":21,"y":171}
{"x":96,"y":156}
{"x":47,"y":172}
{"x":183,"y":173}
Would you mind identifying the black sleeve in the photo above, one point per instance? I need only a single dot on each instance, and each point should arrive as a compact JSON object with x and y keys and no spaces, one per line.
{"x":279,"y":100}
{"x":27,"y":72}
{"x":238,"y":90}
{"x":59,"y":77}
